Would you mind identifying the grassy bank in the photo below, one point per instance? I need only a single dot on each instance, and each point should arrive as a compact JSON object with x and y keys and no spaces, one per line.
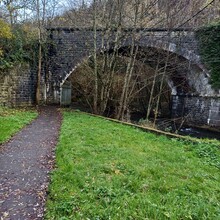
{"x":12,"y":120}
{"x":111,"y":171}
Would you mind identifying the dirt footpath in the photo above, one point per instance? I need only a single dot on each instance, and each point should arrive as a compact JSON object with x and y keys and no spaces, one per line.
{"x":25,"y":163}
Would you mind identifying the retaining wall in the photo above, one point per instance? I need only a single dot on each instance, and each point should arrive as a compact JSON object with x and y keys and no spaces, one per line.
{"x":17,"y":87}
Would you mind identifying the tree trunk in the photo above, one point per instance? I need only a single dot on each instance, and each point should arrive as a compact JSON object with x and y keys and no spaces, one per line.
{"x":39,"y":55}
{"x":95,"y":97}
{"x":160,"y":90}
{"x":39,"y":73}
{"x":152,"y":90}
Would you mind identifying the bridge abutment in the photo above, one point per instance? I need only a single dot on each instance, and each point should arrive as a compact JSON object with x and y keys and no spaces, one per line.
{"x":196,"y":110}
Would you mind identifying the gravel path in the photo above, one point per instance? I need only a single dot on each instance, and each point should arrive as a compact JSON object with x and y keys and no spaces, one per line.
{"x":25,"y":162}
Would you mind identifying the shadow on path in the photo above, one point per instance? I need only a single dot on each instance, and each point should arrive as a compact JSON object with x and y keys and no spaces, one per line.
{"x":25,"y":162}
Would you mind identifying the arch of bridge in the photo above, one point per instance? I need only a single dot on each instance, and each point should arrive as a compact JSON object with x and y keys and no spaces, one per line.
{"x":73,"y":46}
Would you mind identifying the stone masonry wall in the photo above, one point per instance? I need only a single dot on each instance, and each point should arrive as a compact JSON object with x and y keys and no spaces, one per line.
{"x":198,"y":110}
{"x":17,"y":87}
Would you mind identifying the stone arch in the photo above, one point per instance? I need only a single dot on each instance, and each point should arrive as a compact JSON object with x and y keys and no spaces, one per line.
{"x":202,"y":87}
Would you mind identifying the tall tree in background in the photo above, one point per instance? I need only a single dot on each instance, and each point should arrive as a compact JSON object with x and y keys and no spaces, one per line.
{"x":45,"y":10}
{"x":40,"y":22}
{"x":95,"y":99}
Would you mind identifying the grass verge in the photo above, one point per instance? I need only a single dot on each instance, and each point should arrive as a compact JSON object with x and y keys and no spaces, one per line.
{"x":12,"y":120}
{"x":111,"y":171}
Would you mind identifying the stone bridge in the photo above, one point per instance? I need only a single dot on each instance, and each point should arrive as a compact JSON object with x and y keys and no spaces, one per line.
{"x":189,"y":82}
{"x":69,"y":47}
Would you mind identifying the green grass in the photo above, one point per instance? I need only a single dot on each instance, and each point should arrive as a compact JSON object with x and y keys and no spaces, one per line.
{"x":12,"y":120}
{"x":107,"y":170}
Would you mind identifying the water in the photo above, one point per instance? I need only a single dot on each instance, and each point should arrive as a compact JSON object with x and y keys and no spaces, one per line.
{"x":199,"y":133}
{"x":168,"y":125}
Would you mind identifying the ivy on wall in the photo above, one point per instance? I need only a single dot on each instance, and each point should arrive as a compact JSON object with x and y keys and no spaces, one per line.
{"x":209,"y":44}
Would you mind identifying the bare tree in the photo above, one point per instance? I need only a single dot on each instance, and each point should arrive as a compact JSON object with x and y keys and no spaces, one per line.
{"x":44,"y":12}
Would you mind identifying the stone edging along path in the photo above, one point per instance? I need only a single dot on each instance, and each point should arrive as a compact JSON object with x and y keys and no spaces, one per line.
{"x":25,"y":162}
